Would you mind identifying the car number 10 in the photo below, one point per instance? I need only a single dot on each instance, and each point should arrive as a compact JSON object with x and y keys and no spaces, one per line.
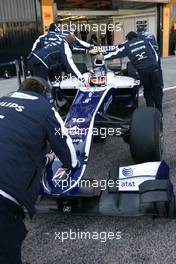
{"x":78,"y":120}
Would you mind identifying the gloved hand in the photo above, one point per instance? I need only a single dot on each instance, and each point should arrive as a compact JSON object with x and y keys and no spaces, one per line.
{"x":49,"y":158}
{"x":93,"y":51}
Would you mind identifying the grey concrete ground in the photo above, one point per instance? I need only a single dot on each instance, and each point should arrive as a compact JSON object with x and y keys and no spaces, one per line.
{"x":143,"y":240}
{"x":7,"y":86}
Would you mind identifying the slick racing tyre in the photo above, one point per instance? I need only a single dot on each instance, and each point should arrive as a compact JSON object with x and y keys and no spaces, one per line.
{"x":146,"y":135}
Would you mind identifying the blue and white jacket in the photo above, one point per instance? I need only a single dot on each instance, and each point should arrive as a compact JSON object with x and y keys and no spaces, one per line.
{"x":140,"y":52}
{"x":27,"y":123}
{"x":79,"y":46}
{"x":57,"y":51}
{"x":150,"y":37}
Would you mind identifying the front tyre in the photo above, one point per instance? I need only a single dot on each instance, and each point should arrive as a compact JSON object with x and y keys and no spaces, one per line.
{"x":146,"y":135}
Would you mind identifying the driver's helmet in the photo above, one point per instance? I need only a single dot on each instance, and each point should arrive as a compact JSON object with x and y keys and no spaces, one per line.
{"x":98,"y":77}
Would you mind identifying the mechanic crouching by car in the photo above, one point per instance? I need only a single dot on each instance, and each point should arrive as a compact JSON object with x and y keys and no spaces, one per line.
{"x":27,"y":123}
{"x":145,"y":59}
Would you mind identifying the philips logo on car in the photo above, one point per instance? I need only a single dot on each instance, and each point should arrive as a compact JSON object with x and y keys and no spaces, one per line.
{"x":127,"y":172}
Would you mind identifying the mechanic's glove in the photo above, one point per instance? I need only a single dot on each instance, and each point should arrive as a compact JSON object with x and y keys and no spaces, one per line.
{"x":49,"y":158}
{"x":93,"y":51}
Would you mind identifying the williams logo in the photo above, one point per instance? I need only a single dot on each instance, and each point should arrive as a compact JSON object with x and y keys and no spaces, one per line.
{"x":127,"y":172}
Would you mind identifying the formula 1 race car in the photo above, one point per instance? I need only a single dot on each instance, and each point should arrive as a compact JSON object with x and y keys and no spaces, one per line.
{"x":110,"y":103}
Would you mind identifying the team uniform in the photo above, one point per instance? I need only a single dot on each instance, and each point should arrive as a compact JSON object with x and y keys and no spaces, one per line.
{"x":54,"y":71}
{"x":150,"y":37}
{"x":44,"y":40}
{"x":53,"y":53}
{"x":145,"y":59}
{"x":79,"y":46}
{"x":27,"y":122}
{"x":58,"y":64}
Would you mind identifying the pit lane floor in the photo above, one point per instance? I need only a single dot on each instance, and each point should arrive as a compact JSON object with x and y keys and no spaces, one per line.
{"x":143,"y":240}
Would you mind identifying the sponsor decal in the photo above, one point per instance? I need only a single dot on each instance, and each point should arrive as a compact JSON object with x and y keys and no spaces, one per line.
{"x":105,"y":48}
{"x":78,"y":120}
{"x":77,"y":140}
{"x":127,"y":172}
{"x":87,"y":100}
{"x":128,"y":184}
{"x":60,"y":175}
{"x":18,"y":108}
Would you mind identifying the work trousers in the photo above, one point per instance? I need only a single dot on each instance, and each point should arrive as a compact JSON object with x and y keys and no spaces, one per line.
{"x":12,"y":231}
{"x":151,"y":79}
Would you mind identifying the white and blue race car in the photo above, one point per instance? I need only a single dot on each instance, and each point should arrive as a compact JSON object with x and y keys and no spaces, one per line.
{"x":110,"y":103}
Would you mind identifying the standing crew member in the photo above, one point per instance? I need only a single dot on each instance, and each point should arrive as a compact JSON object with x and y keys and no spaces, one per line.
{"x":27,"y":122}
{"x":145,"y":59}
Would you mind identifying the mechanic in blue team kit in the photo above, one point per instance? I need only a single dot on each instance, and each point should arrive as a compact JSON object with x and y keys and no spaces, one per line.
{"x":57,"y":51}
{"x":145,"y":59}
{"x":27,"y":123}
{"x":55,"y":34}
